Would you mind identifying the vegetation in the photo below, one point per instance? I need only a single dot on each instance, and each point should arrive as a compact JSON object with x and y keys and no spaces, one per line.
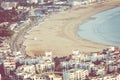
{"x":6,"y":32}
{"x":57,"y":61}
{"x":8,"y":15}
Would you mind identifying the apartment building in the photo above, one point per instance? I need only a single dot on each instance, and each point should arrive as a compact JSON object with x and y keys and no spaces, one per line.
{"x":79,"y":74}
{"x":9,"y":65}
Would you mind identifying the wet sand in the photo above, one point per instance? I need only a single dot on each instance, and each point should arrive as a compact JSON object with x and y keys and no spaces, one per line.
{"x":59,"y":32}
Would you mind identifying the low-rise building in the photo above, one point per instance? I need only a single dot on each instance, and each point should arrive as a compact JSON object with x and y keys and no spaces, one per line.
{"x":25,"y":71}
{"x":107,"y":77}
{"x":32,"y":1}
{"x":75,"y":74}
{"x":5,"y":47}
{"x":8,"y":5}
{"x":45,"y":67}
{"x":54,"y":77}
{"x":0,"y":77}
{"x":38,"y":77}
{"x":9,"y":65}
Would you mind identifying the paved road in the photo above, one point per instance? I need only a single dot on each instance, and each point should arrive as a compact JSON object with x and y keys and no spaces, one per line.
{"x":18,"y":38}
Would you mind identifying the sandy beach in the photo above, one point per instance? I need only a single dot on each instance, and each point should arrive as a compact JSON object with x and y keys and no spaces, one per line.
{"x":59,"y":32}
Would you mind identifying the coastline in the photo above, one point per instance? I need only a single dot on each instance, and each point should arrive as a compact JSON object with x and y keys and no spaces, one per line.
{"x":63,"y":36}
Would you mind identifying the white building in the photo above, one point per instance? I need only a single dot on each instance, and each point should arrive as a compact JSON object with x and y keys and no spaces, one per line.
{"x":54,"y":77}
{"x":45,"y":67}
{"x":41,"y":1}
{"x":13,"y":26}
{"x":101,"y":72}
{"x":26,"y":69}
{"x":23,"y":76}
{"x":32,"y":1}
{"x":80,"y":2}
{"x":75,"y":74}
{"x":5,"y":47}
{"x":8,"y":5}
{"x":48,"y":57}
{"x":0,"y":76}
{"x":37,"y":77}
{"x":75,"y":55}
{"x":96,"y":56}
{"x":9,"y":65}
{"x":107,"y":77}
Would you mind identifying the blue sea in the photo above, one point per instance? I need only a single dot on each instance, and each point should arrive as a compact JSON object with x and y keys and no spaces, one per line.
{"x":103,"y":27}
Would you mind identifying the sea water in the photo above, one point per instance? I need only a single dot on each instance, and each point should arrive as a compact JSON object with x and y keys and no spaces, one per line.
{"x":103,"y":27}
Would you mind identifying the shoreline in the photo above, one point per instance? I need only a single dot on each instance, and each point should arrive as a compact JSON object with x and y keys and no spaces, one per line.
{"x":101,"y":29}
{"x":68,"y":34}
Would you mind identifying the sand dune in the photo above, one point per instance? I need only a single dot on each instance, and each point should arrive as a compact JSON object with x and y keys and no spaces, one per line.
{"x":59,"y":32}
